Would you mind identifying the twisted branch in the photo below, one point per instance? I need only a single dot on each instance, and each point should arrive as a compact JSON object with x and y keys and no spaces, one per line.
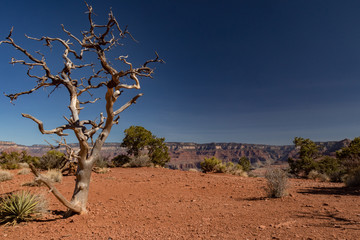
{"x":58,"y":130}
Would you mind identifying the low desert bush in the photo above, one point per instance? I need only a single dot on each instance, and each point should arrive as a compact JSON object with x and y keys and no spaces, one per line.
{"x":24,"y":171}
{"x":315,"y":175}
{"x":15,"y":160}
{"x":120,"y":160}
{"x":217,"y":166}
{"x":5,"y":175}
{"x":21,"y":206}
{"x":353,"y":179}
{"x":101,"y":170}
{"x":54,"y":175}
{"x":102,"y":162}
{"x":277,"y":182}
{"x":235,"y":169}
{"x":23,"y":165}
{"x":245,"y":164}
{"x":52,"y":160}
{"x":140,"y":161}
{"x":212,"y":165}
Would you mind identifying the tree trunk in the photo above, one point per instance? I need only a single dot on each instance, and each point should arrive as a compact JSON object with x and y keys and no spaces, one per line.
{"x":81,"y":191}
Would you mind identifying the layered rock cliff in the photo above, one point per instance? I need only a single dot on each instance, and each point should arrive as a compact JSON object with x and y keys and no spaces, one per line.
{"x":189,"y":155}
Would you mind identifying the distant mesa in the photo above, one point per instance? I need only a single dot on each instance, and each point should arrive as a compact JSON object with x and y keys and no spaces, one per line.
{"x":189,"y":155}
{"x":7,"y":143}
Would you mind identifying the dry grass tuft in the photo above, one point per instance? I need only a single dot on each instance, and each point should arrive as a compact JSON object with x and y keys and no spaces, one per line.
{"x":54,"y":175}
{"x":24,"y":171}
{"x":277,"y":182}
{"x":101,"y":170}
{"x":5,"y":176}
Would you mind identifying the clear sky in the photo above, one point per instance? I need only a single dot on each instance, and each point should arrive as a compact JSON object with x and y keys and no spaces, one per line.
{"x":236,"y":71}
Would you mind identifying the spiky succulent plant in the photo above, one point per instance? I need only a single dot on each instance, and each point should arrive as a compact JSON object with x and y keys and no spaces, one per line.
{"x":21,"y":206}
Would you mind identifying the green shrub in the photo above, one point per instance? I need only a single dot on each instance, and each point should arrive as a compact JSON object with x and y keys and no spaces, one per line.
{"x":315,"y":175}
{"x":353,"y":179}
{"x":212,"y":165}
{"x":5,"y":175}
{"x":277,"y":182}
{"x":308,"y":152}
{"x":10,"y":160}
{"x":16,"y":160}
{"x":245,"y":164}
{"x":235,"y":169}
{"x":331,"y":167}
{"x":120,"y":160}
{"x":52,"y":160}
{"x":350,"y":156}
{"x":139,"y":140}
{"x":21,"y":206}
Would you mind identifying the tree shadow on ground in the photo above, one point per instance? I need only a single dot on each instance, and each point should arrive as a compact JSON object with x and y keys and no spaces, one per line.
{"x":330,"y":220}
{"x":57,"y":216}
{"x":252,"y":199}
{"x":343,"y":191}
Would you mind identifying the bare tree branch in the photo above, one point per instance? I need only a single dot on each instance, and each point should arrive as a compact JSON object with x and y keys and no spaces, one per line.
{"x":93,"y":101}
{"x":128,"y":104}
{"x":58,"y":130}
{"x":54,"y":190}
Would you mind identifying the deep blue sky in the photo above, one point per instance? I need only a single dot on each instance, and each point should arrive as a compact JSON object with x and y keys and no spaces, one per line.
{"x":236,"y":71}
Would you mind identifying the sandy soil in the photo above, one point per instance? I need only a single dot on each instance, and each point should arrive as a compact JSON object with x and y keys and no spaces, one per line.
{"x":150,"y":203}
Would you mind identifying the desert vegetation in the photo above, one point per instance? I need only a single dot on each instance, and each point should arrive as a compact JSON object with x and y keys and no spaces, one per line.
{"x":215,"y":165}
{"x":344,"y":167}
{"x":21,"y":206}
{"x":143,"y":149}
{"x":5,"y":175}
{"x":277,"y":182}
{"x":16,"y":160}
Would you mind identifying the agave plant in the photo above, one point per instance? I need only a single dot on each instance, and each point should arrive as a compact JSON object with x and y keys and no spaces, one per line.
{"x":21,"y":206}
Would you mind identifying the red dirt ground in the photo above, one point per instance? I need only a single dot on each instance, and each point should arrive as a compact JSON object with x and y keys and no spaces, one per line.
{"x":154,"y":203}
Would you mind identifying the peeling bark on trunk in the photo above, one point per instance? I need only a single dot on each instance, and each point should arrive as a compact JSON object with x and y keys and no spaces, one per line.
{"x":82,"y":186}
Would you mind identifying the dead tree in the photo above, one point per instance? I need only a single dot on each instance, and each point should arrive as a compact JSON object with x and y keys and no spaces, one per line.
{"x":91,"y":134}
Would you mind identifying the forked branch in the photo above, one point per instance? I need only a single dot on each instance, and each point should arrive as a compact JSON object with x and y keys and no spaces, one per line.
{"x":54,"y":190}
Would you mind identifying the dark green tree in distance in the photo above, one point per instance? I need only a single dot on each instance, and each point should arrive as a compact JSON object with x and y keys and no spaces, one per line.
{"x":350,"y":156}
{"x":245,"y":164}
{"x":158,"y":151}
{"x":308,"y":152}
{"x":350,"y":160}
{"x":138,"y":139}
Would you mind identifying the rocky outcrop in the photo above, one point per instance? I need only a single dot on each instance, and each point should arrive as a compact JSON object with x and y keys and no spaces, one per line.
{"x":189,"y":155}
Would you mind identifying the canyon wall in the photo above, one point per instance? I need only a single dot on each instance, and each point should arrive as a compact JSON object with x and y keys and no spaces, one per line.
{"x":189,"y":155}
